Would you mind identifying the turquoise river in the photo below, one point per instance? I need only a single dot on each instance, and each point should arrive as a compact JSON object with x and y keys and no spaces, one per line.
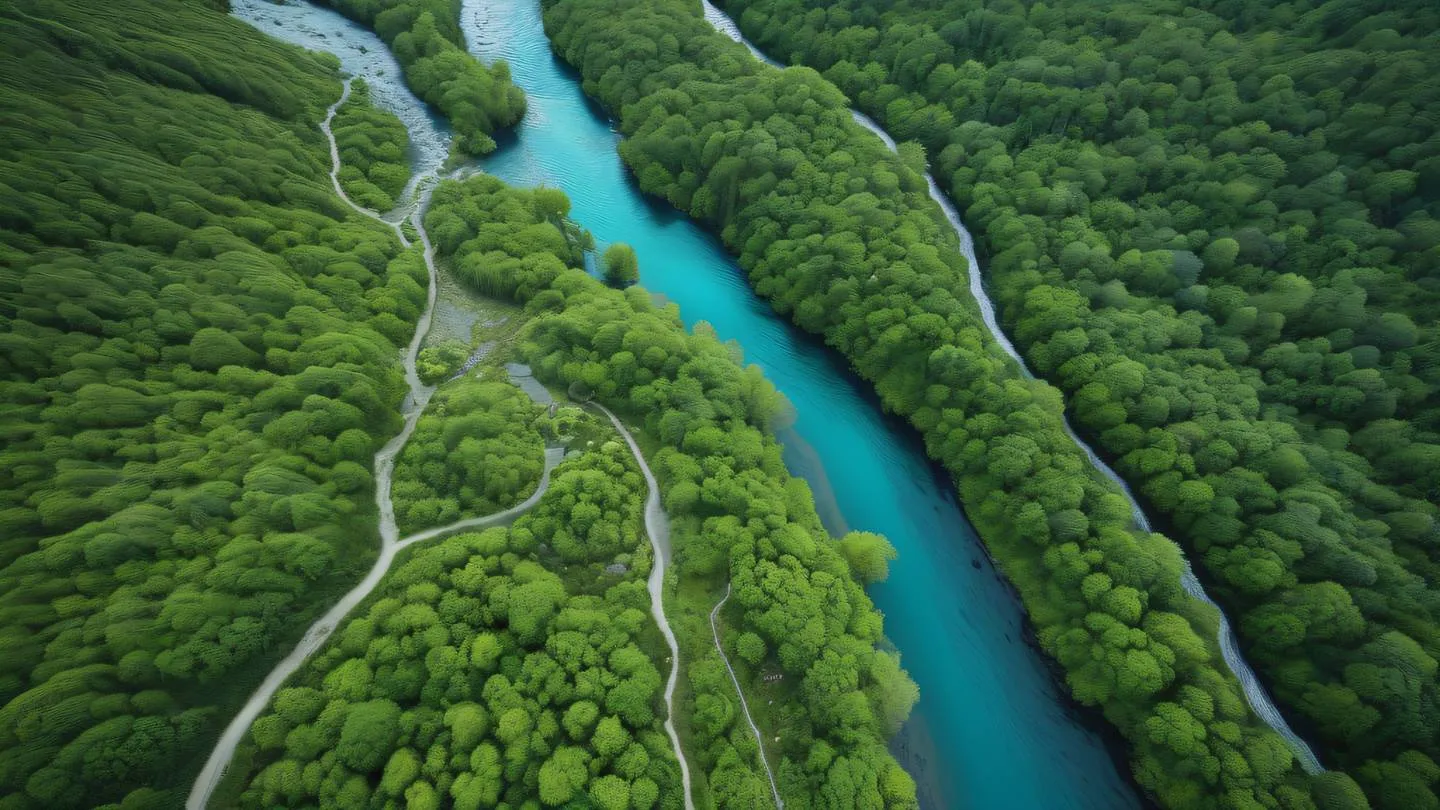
{"x":993,"y":729}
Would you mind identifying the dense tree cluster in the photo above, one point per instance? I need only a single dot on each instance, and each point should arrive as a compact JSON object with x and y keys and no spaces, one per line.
{"x":199,"y":362}
{"x":372,"y":143}
{"x":738,"y":516}
{"x":840,"y":235}
{"x":475,"y":450}
{"x":425,"y":37}
{"x":479,"y":675}
{"x":1215,"y":226}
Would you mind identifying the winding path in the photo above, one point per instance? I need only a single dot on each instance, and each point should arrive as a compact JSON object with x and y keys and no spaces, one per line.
{"x":657,"y":527}
{"x":744,"y":707}
{"x":1255,"y":695}
{"x":325,"y":127}
{"x":390,"y":542}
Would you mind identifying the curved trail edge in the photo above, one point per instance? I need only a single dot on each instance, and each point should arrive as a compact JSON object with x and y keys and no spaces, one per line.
{"x":1255,"y":695}
{"x":657,"y":527}
{"x":744,"y":707}
{"x":390,"y":542}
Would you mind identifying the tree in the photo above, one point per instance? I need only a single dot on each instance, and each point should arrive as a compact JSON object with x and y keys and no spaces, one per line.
{"x":563,"y":775}
{"x":369,"y":733}
{"x":868,"y":554}
{"x":621,"y":265}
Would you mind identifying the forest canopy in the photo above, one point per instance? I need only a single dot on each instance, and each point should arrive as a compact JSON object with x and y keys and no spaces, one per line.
{"x":200,"y":361}
{"x":840,"y":235}
{"x":1214,"y":226}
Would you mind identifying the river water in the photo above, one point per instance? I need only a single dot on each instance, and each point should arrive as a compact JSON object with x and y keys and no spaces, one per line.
{"x":992,"y":729}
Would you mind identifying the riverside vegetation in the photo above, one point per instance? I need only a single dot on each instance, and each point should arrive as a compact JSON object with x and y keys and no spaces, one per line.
{"x":508,"y":665}
{"x":839,"y":235}
{"x":737,"y":516}
{"x":424,"y":35}
{"x":372,"y":151}
{"x":1215,"y":226}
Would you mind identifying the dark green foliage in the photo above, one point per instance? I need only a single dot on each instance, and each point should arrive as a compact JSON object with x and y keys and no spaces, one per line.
{"x":372,"y":143}
{"x":199,"y":362}
{"x":840,"y":235}
{"x":736,"y":514}
{"x":476,"y":450}
{"x":1239,"y":201}
{"x":425,"y":37}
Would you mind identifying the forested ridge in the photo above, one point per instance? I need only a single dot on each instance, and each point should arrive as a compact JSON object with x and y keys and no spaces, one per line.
{"x":1215,"y":227}
{"x":199,"y":362}
{"x":839,"y":235}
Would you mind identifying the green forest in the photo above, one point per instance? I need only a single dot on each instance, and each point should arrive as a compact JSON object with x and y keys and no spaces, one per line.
{"x":482,"y":675}
{"x":1214,"y":227}
{"x":517,"y":663}
{"x":200,"y":361}
{"x":372,"y":146}
{"x":1212,"y":230}
{"x":476,"y":450}
{"x":198,"y":365}
{"x":1328,"y":567}
{"x":737,"y":516}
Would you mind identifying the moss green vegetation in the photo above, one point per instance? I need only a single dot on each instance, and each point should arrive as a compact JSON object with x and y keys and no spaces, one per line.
{"x":372,"y":146}
{"x":839,"y":234}
{"x":476,"y":450}
{"x":425,"y":37}
{"x":199,"y":362}
{"x":1215,"y":226}
{"x":737,"y":516}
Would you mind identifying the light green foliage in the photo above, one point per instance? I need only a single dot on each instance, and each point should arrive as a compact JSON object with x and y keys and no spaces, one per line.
{"x":475,"y":451}
{"x":621,"y":265}
{"x":591,"y":522}
{"x":869,"y":555}
{"x":440,"y":362}
{"x":520,"y":725}
{"x":199,"y":363}
{"x":372,"y":146}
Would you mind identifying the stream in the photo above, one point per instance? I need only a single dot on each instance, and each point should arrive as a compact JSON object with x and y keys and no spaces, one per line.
{"x":1255,"y":694}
